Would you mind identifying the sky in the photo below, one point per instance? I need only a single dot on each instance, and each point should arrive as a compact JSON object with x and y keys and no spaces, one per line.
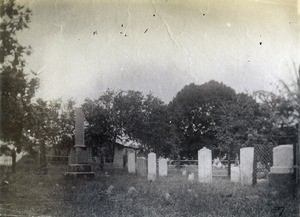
{"x":81,"y":48}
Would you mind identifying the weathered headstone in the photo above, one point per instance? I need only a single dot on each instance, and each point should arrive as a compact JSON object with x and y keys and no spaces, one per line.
{"x":131,"y":163}
{"x":78,"y":158}
{"x":183,"y":173}
{"x":162,"y":167}
{"x":246,"y":167}
{"x":283,"y":159}
{"x":191,"y":177}
{"x":141,"y":166}
{"x":282,"y":169}
{"x":235,"y":174}
{"x":152,"y":166}
{"x":205,"y":165}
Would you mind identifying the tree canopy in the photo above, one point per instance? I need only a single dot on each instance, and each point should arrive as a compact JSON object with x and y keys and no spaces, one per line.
{"x":17,"y":86}
{"x":195,"y":111}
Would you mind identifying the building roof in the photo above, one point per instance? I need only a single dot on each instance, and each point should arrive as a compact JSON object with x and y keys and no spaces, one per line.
{"x":124,"y":146}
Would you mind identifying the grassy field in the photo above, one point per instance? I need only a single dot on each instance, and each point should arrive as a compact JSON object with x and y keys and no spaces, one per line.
{"x":31,"y":194}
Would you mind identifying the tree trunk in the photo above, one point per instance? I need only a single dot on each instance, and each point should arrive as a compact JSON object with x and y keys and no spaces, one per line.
{"x":229,"y":164}
{"x":43,"y":160}
{"x":102,"y":161}
{"x":14,"y":160}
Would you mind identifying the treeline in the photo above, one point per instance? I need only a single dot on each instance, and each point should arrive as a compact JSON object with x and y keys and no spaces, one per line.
{"x":211,"y":115}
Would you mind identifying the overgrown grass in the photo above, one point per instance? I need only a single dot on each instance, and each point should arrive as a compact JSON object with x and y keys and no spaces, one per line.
{"x":31,"y":194}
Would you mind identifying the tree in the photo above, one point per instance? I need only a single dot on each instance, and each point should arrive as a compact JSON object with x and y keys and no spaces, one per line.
{"x":238,"y":120}
{"x":195,"y":111}
{"x":50,"y":125}
{"x":129,"y":115}
{"x":278,"y":118}
{"x":66,"y":138}
{"x":290,"y":105}
{"x":17,"y":87}
{"x":157,"y":133}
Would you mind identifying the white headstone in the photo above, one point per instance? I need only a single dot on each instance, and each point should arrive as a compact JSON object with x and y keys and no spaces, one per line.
{"x":141,"y":166}
{"x":235,"y":174}
{"x":283,"y":159}
{"x":184,"y":173}
{"x":162,"y":167}
{"x":205,"y":165}
{"x":191,"y":177}
{"x":152,"y":166}
{"x":131,"y":163}
{"x":246,"y":167}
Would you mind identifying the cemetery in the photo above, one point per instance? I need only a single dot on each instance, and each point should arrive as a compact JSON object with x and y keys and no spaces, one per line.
{"x":151,"y":186}
{"x":149,"y":108}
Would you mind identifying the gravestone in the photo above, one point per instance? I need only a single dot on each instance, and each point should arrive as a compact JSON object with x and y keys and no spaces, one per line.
{"x":246,"y":167}
{"x":205,"y":165}
{"x":151,"y":166}
{"x":131,"y":163}
{"x":141,"y":166}
{"x":162,"y":167}
{"x":78,"y":158}
{"x":183,"y":173}
{"x":235,"y":174}
{"x":191,"y":177}
{"x":282,"y":169}
{"x":283,"y":159}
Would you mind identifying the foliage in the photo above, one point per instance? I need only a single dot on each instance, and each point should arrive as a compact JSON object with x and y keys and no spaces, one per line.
{"x":277,"y":120}
{"x":291,"y":99}
{"x":195,"y":111}
{"x":53,"y":123}
{"x":17,"y":87}
{"x":238,"y":121}
{"x":129,"y":115}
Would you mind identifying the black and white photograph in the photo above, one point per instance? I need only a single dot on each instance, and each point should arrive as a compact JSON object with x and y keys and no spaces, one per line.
{"x":145,"y":108}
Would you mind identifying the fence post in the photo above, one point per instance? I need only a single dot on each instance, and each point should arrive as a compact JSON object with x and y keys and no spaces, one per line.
{"x":229,"y":164}
{"x":254,"y":174}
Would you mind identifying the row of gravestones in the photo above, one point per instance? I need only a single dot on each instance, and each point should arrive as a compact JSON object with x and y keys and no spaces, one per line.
{"x":282,"y":164}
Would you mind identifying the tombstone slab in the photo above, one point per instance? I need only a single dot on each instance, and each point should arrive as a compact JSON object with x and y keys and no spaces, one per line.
{"x":131,"y":163}
{"x":151,"y":166}
{"x":191,"y":177}
{"x":281,"y":173}
{"x":162,"y":167}
{"x":141,"y":166}
{"x":246,"y":167}
{"x":283,"y":159}
{"x":205,"y":165}
{"x":183,"y":173}
{"x":235,"y":174}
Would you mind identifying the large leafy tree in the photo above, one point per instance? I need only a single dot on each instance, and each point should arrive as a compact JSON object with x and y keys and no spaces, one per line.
{"x":53,"y":123}
{"x":102,"y":127}
{"x":17,"y":86}
{"x":195,"y":111}
{"x":50,"y":125}
{"x":157,"y":133}
{"x":129,"y":115}
{"x":238,"y":121}
{"x":278,"y":118}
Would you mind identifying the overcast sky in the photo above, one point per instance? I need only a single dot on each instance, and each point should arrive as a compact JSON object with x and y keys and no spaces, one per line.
{"x":81,"y":48}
